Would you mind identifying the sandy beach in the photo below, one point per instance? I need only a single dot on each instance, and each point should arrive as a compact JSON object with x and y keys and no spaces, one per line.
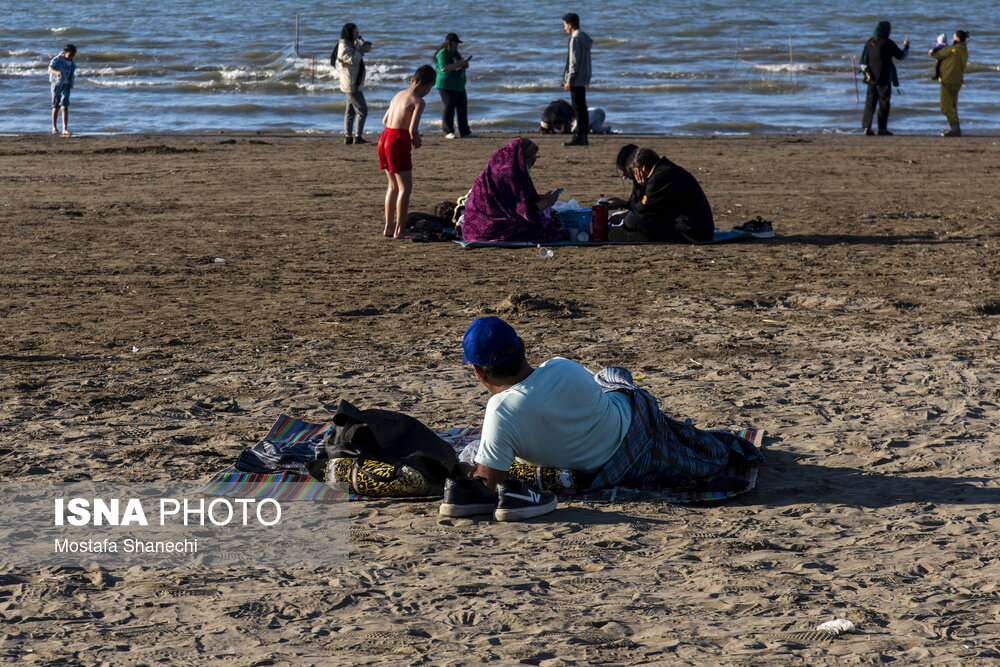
{"x":863,"y":339}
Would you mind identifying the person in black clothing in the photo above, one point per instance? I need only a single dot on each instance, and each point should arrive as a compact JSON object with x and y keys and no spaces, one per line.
{"x":576,"y":76}
{"x":557,"y":117}
{"x":880,"y":75}
{"x":666,"y":203}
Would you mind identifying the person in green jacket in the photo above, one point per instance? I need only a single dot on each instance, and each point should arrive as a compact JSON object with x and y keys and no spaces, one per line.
{"x":451,"y":66}
{"x":952,"y":61}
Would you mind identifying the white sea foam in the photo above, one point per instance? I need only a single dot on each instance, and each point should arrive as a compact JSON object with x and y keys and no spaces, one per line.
{"x":34,"y":69}
{"x":127,"y":83}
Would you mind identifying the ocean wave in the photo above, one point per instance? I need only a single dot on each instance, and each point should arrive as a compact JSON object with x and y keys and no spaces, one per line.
{"x":732,"y":127}
{"x":127,"y":83}
{"x":974,"y":67}
{"x":232,"y":109}
{"x":661,"y":75}
{"x":24,"y":69}
{"x":70,"y":31}
{"x":115,"y":57}
{"x":762,"y":86}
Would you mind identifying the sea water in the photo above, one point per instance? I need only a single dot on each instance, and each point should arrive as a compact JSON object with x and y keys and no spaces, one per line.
{"x":675,"y":67}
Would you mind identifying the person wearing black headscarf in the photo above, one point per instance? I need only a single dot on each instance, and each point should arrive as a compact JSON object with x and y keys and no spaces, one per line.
{"x":880,"y":75}
{"x":666,"y":204}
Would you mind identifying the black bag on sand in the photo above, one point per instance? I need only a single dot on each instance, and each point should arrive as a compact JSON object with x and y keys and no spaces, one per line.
{"x":429,"y":227}
{"x":392,"y":437}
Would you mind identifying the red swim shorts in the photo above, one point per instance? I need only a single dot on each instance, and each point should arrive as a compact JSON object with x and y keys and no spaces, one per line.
{"x":394,"y":151}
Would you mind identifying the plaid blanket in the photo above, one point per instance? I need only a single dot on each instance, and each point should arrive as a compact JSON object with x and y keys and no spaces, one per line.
{"x":658,"y":449}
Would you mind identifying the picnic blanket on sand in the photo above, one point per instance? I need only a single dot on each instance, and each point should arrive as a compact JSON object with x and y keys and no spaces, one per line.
{"x":719,"y":237}
{"x":296,"y":438}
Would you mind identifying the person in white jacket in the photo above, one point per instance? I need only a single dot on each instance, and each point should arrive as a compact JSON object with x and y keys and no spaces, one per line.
{"x":349,"y":59}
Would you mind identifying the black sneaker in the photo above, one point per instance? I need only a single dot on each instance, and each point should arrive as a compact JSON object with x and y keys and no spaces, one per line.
{"x":868,"y":132}
{"x":360,"y":140}
{"x":518,"y":501}
{"x":758,"y":228}
{"x":348,"y":139}
{"x":884,"y":133}
{"x":465,"y":497}
{"x":577,"y":141}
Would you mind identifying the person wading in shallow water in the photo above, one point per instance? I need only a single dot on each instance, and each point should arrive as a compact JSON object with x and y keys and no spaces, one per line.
{"x":62,"y":73}
{"x":880,"y":75}
{"x":951,"y":66}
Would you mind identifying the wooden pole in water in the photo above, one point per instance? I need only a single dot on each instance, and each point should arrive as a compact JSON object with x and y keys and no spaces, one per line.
{"x":296,"y":35}
{"x":854,"y":70}
{"x":790,"y":63}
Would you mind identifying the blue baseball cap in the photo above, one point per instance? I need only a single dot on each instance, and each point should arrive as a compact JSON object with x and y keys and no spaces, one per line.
{"x":484,"y":337}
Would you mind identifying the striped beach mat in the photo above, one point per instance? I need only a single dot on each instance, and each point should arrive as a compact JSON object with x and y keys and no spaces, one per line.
{"x":292,"y":486}
{"x":299,"y":437}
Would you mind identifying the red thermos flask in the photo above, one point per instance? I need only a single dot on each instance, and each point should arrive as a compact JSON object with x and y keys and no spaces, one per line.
{"x":599,"y":220}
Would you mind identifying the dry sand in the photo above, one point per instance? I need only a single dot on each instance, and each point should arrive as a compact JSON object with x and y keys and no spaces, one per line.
{"x":863,"y":339}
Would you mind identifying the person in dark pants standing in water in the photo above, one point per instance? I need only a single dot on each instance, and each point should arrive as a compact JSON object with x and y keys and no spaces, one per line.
{"x":880,"y":75}
{"x":576,"y":75}
{"x":451,"y":66}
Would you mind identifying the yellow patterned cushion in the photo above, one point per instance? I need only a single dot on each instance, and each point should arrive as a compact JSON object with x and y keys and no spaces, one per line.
{"x":560,"y":480}
{"x":377,"y":478}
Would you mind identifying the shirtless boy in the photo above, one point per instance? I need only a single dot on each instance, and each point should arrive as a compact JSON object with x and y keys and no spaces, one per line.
{"x":402,"y":122}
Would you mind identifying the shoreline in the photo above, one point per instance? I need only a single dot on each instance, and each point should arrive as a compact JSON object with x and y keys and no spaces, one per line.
{"x":500,"y":133}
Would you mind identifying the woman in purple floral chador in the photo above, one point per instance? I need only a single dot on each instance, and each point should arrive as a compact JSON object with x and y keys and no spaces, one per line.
{"x":504,"y":205}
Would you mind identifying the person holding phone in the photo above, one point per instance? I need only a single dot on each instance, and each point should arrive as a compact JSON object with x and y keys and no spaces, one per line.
{"x":349,"y":59}
{"x":450,"y":83}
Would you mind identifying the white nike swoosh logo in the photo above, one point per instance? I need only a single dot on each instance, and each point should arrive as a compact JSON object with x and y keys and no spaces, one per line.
{"x":533,"y":498}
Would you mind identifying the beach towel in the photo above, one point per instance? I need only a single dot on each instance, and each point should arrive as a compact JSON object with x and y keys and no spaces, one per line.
{"x":500,"y":207}
{"x":288,"y":486}
{"x":719,"y":237}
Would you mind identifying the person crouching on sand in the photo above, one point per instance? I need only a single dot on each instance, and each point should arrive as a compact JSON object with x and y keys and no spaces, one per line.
{"x":402,"y":122}
{"x":666,"y":204}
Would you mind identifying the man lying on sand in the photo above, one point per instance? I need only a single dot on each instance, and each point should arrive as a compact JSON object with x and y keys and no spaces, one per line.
{"x":560,"y":415}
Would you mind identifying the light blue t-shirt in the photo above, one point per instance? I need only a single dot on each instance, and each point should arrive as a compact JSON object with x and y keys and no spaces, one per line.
{"x":557,"y":417}
{"x":66,"y":69}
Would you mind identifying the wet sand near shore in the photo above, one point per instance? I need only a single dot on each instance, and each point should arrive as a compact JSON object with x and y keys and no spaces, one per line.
{"x":863,"y":339}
